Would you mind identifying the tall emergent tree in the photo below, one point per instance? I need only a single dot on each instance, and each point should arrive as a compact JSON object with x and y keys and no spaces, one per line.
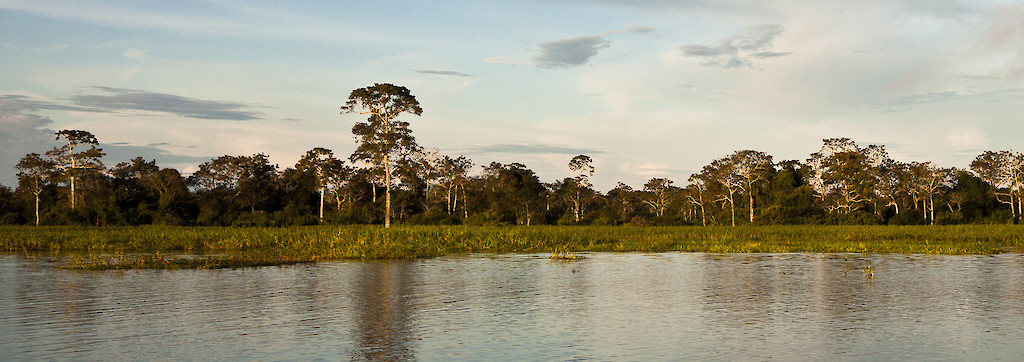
{"x":581,"y":165}
{"x":70,"y":162}
{"x":34,"y":170}
{"x":382,"y":137}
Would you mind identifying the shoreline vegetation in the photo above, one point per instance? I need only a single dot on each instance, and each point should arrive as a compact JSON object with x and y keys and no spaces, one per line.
{"x":146,"y":247}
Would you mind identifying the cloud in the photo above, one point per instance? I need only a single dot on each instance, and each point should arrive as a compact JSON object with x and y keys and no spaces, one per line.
{"x":128,"y":99}
{"x":534,"y":148}
{"x":569,"y":52}
{"x":572,"y":52}
{"x":651,"y":169}
{"x":636,"y":29}
{"x":1006,"y":38}
{"x":506,"y":61}
{"x":445,"y":72}
{"x":135,"y":54}
{"x":30,"y":104}
{"x":903,"y":103}
{"x":20,"y":134}
{"x":739,"y":50}
{"x":577,"y":51}
{"x":120,"y":152}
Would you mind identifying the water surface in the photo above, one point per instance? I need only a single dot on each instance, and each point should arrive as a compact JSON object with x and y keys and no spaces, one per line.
{"x":633,"y":306}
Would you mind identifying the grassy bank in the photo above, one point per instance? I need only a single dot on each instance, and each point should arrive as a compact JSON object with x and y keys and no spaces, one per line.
{"x":264,"y":246}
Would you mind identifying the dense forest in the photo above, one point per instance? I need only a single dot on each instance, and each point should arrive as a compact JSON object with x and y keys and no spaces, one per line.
{"x":390,"y":176}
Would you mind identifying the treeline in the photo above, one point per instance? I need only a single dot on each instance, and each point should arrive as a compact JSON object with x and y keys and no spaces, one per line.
{"x":843,"y":183}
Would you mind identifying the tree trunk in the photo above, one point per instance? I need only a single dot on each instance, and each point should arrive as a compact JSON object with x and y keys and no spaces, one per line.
{"x":751,"y":207}
{"x":73,"y":193}
{"x":703,"y":218}
{"x":576,"y":206}
{"x":732,"y":208}
{"x":465,"y":205}
{"x":931,"y":208}
{"x":37,"y":207}
{"x":387,"y":192}
{"x":72,"y":177}
{"x":322,"y":190}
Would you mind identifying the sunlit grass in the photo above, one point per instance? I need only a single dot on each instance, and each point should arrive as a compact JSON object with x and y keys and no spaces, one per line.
{"x":240,"y":247}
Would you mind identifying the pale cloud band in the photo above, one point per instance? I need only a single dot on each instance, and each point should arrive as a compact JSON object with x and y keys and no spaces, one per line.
{"x":533,"y":148}
{"x":445,"y":72}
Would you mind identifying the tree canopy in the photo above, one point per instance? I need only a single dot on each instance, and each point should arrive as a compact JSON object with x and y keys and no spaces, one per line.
{"x":842,"y":183}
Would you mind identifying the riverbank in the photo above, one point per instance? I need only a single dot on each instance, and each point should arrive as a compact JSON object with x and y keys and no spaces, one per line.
{"x":270,"y":246}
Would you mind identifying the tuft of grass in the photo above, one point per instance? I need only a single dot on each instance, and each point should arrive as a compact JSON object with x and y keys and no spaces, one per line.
{"x":239,"y":247}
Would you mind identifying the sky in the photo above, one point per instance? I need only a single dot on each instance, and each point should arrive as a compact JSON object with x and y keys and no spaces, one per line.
{"x":647,"y":88}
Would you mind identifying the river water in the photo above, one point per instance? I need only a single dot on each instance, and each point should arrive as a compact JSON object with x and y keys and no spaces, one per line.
{"x":632,"y":306}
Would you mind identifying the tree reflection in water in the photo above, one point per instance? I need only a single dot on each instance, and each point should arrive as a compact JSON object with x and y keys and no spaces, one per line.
{"x":384,"y":313}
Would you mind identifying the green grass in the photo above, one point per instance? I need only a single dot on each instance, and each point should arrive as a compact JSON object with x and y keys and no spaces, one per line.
{"x":239,"y":247}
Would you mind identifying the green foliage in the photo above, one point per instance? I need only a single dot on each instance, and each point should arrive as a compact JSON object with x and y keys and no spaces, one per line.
{"x":250,"y":246}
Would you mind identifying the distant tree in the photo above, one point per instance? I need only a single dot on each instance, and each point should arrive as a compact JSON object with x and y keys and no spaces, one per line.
{"x":248,"y":180}
{"x":70,"y":162}
{"x":929,"y":181}
{"x":753,"y":167}
{"x":730,"y":184}
{"x":892,"y":183}
{"x":35,"y":171}
{"x":453,"y":174}
{"x":658,"y":190}
{"x":842,"y":174}
{"x":382,"y":136}
{"x":131,"y":191}
{"x":580,"y":184}
{"x":322,"y":164}
{"x":698,"y":187}
{"x":623,"y":202}
{"x":339,"y":183}
{"x":427,"y":164}
{"x":1001,"y":170}
{"x":174,"y":206}
{"x":514,"y":190}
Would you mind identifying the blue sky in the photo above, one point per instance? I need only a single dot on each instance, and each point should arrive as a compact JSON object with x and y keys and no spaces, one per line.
{"x":651,"y":88}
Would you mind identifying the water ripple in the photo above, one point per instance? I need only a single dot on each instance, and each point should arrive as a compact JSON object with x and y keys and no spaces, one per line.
{"x":482,"y":307}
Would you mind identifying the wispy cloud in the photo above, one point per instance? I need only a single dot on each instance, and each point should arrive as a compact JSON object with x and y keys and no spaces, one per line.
{"x":532,"y":148}
{"x":738,"y":50}
{"x":445,"y":72}
{"x":506,"y":61}
{"x":135,"y":54}
{"x":636,"y":29}
{"x":903,"y":103}
{"x":117,"y":100}
{"x":31,"y":104}
{"x":123,"y":152}
{"x":221,"y":19}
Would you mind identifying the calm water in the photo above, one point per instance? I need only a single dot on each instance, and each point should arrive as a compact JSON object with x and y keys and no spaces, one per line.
{"x":526,"y":307}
